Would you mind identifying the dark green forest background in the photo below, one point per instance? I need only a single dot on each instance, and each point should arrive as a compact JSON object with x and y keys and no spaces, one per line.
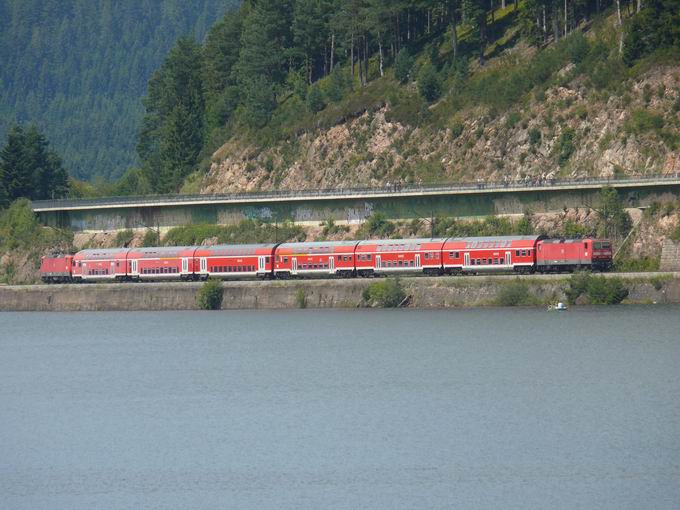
{"x":78,"y":69}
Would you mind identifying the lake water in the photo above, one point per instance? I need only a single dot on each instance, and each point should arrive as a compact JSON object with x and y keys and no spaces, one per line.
{"x":475,"y":409}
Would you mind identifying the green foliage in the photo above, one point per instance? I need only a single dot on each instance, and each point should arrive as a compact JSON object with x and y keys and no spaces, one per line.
{"x":597,"y":290}
{"x":429,"y":84}
{"x":151,"y":238}
{"x":376,"y":225}
{"x":123,"y":238}
{"x":315,"y":100}
{"x":29,"y":168}
{"x":403,"y":65}
{"x":643,"y":120}
{"x":210,"y":295}
{"x":658,"y":282}
{"x":248,"y":231}
{"x":515,"y":293}
{"x":655,"y":27}
{"x":614,"y":219}
{"x":565,"y":146}
{"x":387,"y":293}
{"x":534,"y":136}
{"x":573,"y":230}
{"x":78,"y":69}
{"x":172,"y":133}
{"x":675,"y":235}
{"x":19,"y":229}
{"x":300,"y":298}
{"x":636,"y":264}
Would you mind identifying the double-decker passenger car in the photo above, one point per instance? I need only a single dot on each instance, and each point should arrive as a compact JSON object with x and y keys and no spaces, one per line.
{"x":489,"y":254}
{"x":160,"y":263}
{"x":320,"y":258}
{"x":100,"y":264}
{"x":399,"y":256}
{"x":234,"y":261}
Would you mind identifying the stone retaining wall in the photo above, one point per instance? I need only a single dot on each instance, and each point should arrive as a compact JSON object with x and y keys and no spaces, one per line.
{"x":424,"y":293}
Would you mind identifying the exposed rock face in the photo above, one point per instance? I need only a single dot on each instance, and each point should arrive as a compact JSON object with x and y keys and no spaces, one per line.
{"x":573,"y":132}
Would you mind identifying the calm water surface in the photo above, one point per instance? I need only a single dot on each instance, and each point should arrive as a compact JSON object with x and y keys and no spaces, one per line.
{"x":508,"y":409}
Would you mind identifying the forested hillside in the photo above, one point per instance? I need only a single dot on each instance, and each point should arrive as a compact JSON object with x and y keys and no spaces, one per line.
{"x":78,"y":68}
{"x":315,"y":93}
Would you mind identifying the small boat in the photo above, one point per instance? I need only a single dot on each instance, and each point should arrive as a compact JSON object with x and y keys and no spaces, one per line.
{"x":560,"y":307}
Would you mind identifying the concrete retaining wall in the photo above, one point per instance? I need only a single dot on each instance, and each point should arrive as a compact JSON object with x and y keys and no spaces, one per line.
{"x":670,"y":256}
{"x":424,"y":293}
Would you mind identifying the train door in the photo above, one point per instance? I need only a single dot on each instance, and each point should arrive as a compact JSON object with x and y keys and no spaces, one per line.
{"x":204,"y":265}
{"x":418,"y":260}
{"x":261,"y":264}
{"x":377,"y":261}
{"x":466,"y":262}
{"x":331,"y":264}
{"x":294,"y":261}
{"x":185,"y":265}
{"x":134,"y":270}
{"x":508,"y":258}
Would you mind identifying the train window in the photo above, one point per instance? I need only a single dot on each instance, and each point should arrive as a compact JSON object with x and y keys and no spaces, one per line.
{"x":472,"y":262}
{"x":369,"y":256}
{"x":285,"y":260}
{"x":528,"y":253}
{"x":267,"y":259}
{"x":451,"y":254}
{"x":516,"y":253}
{"x":495,"y":261}
{"x":524,"y":253}
{"x":457,"y":254}
{"x":427,"y":256}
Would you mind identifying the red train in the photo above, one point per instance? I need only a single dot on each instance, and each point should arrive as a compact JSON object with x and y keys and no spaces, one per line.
{"x":454,"y":255}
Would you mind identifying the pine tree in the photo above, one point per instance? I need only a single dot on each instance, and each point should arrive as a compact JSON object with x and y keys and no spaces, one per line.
{"x":17,"y":175}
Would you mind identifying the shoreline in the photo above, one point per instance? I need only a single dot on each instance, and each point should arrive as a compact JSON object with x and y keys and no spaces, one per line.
{"x":423,"y":292}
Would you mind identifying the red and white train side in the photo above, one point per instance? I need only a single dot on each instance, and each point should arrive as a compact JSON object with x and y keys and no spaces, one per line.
{"x":455,"y":255}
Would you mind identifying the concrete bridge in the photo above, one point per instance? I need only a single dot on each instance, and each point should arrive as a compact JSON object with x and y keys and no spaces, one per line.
{"x":351,"y":205}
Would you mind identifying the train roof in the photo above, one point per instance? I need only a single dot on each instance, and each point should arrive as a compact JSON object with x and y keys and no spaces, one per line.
{"x":414,"y":240}
{"x":493,"y":241}
{"x":236,"y":249}
{"x":572,"y":241}
{"x":102,"y":253}
{"x":162,"y":251}
{"x":318,"y":247}
{"x":318,"y":244}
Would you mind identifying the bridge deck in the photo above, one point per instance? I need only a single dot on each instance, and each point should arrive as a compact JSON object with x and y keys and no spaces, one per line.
{"x":351,"y":193}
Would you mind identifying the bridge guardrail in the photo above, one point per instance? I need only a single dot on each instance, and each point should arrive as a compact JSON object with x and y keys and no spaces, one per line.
{"x":397,"y":188}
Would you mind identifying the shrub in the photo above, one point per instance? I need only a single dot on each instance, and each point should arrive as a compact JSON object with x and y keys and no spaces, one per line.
{"x":658,"y":282}
{"x":300,"y":298}
{"x":642,"y":120}
{"x":565,"y":146}
{"x":606,"y":291}
{"x":598,"y":290}
{"x":210,"y":295}
{"x":387,"y":293}
{"x":123,"y":238}
{"x":534,"y":136}
{"x":376,"y":225}
{"x":315,"y":101}
{"x":429,"y":85}
{"x":403,"y":65}
{"x":515,"y":293}
{"x":151,"y":238}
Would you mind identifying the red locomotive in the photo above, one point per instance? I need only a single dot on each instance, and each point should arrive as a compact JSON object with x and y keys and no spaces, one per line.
{"x":454,"y":255}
